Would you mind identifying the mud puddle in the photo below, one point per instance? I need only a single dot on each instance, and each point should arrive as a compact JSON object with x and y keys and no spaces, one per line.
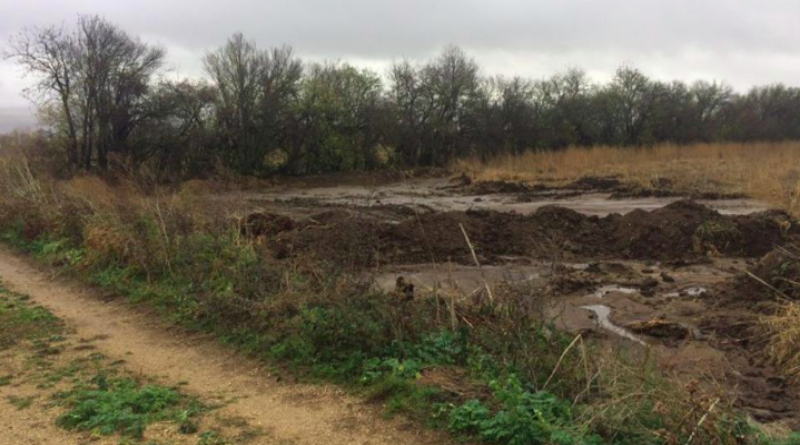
{"x":605,"y":290}
{"x":571,"y":291}
{"x":437,"y":195}
{"x":689,"y":292}
{"x":465,"y":279}
{"x":603,"y":316}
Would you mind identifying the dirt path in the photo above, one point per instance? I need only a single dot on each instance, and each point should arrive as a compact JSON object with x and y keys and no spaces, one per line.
{"x":290,"y":413}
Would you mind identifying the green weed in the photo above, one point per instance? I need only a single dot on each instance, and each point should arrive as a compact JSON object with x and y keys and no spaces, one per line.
{"x":210,"y":438}
{"x":21,"y":321}
{"x":20,"y":402}
{"x":110,"y":405}
{"x":523,"y":417}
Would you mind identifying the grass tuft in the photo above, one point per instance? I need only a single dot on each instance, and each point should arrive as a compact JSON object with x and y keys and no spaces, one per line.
{"x":112,"y":405}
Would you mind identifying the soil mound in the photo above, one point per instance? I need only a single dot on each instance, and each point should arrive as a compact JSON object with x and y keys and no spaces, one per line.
{"x":596,"y":183}
{"x":497,"y":187}
{"x":347,"y":239}
{"x":682,"y":230}
{"x":659,"y":328}
{"x":266,"y":224}
{"x":775,"y":277}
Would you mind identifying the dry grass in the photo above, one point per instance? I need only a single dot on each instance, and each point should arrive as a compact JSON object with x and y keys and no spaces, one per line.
{"x":152,"y":233}
{"x":766,"y":171}
{"x":780,"y":276}
{"x":784,"y":344}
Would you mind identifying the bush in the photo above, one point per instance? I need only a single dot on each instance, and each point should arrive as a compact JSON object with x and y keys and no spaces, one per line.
{"x":523,"y":417}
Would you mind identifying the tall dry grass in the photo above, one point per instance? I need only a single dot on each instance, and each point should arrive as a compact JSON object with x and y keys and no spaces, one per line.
{"x":784,"y":344}
{"x":765,"y":171}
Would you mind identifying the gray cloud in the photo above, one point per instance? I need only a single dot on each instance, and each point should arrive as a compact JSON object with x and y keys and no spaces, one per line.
{"x":740,"y":41}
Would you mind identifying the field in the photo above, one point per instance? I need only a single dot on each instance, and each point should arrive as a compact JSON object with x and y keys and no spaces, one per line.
{"x":588,"y":296}
{"x":765,"y":171}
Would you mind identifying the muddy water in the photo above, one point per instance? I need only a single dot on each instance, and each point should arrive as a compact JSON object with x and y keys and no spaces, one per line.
{"x":603,"y":316}
{"x":602,"y":294}
{"x":605,"y":290}
{"x":466,"y":279}
{"x":689,"y":292}
{"x":434,"y":194}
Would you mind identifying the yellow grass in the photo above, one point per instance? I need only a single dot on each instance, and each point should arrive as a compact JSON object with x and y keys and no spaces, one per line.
{"x":784,"y":345}
{"x":766,"y":171}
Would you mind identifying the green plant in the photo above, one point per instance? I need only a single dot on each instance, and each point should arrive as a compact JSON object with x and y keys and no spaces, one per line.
{"x":21,"y":321}
{"x":523,"y":417}
{"x":119,"y":405}
{"x":210,"y":438}
{"x":20,"y":402}
{"x":713,"y":237}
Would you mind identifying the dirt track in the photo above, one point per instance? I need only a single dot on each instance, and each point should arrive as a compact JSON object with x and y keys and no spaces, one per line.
{"x":290,"y":413}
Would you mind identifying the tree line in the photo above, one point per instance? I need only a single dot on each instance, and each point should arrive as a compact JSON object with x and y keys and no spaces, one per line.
{"x":104,"y":99}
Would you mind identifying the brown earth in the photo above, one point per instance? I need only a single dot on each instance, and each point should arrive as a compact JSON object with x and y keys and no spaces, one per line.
{"x":696,"y":336}
{"x":681,"y":230}
{"x":658,"y":188}
{"x":772,"y":279}
{"x":652,"y":259}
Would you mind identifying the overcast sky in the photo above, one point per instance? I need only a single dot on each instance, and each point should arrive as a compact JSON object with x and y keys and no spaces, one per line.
{"x":743,"y":42}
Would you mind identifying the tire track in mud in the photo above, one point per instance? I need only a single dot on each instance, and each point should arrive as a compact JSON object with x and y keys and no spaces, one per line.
{"x":290,"y":413}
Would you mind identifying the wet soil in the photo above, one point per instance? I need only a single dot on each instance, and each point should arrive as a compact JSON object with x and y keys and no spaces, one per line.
{"x":683,"y":230}
{"x":635,"y":268}
{"x":441,"y":194}
{"x":630,"y":304}
{"x":658,"y":273}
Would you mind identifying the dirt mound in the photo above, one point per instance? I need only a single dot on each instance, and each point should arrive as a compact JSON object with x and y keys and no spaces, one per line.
{"x":266,"y":224}
{"x":641,"y":192}
{"x":685,"y":228}
{"x":775,"y":277}
{"x":596,"y":183}
{"x":682,"y":230}
{"x":660,"y":328}
{"x":497,"y":187}
{"x":345,"y":238}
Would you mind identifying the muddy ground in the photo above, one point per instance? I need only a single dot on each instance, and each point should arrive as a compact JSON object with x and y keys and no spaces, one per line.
{"x":638,"y":269}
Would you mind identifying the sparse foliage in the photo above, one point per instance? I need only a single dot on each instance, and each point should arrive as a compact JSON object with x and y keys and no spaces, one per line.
{"x":265,"y":111}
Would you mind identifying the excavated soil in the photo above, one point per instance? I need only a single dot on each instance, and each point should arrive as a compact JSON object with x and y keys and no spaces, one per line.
{"x":675,"y":277}
{"x":671,"y":275}
{"x":679,"y":231}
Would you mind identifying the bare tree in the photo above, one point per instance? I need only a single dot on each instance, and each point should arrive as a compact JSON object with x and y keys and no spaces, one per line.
{"x":99,"y":77}
{"x":48,"y":54}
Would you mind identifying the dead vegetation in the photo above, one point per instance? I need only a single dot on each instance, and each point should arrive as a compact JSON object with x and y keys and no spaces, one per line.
{"x":779,"y":276}
{"x":766,"y":171}
{"x":293,"y":290}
